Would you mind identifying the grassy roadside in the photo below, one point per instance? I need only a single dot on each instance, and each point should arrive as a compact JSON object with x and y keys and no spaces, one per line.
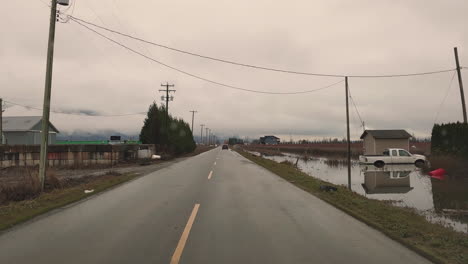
{"x":17,"y":212}
{"x":435,"y":242}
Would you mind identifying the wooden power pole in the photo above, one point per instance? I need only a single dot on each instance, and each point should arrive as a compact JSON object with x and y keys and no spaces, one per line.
{"x":193,"y":117}
{"x":201,"y":133}
{"x":167,"y":98}
{"x":47,"y":95}
{"x":460,"y":83}
{"x":347,"y":133}
{"x":1,"y":121}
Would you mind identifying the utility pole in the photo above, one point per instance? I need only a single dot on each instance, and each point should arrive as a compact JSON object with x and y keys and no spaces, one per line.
{"x":1,"y":121}
{"x":193,"y":117}
{"x":347,"y":133}
{"x":47,"y":93}
{"x":167,"y":98}
{"x":206,"y":135}
{"x":201,"y":134}
{"x":460,"y":83}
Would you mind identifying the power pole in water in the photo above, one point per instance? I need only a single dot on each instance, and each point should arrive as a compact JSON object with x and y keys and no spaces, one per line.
{"x":167,"y":98}
{"x":47,"y":91}
{"x":460,"y":83}
{"x":193,"y":117}
{"x":1,"y":120}
{"x":201,"y":133}
{"x":347,"y":133}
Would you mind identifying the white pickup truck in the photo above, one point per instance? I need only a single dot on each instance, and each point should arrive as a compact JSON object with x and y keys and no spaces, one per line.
{"x":393,"y":156}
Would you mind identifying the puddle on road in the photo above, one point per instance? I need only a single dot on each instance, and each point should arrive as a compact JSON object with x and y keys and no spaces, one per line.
{"x":405,"y":185}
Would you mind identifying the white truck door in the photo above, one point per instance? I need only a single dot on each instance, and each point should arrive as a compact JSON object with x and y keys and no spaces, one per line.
{"x":404,"y":156}
{"x":394,"y":157}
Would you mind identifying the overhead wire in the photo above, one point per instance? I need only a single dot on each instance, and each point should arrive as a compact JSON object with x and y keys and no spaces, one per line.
{"x":356,"y":109}
{"x":445,"y":97}
{"x":256,"y":66}
{"x":197,"y":76}
{"x":45,"y":3}
{"x":76,"y":114}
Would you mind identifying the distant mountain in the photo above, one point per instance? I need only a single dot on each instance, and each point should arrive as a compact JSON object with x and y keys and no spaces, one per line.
{"x":80,"y":135}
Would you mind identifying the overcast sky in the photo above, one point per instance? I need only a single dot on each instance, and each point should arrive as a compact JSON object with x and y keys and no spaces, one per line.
{"x":356,"y":37}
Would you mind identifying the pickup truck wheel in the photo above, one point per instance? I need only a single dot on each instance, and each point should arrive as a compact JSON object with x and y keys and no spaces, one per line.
{"x":379,"y":164}
{"x":419,"y":163}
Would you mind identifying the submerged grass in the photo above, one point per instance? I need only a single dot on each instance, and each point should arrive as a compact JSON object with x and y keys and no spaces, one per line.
{"x":19,"y":211}
{"x":437,"y":243}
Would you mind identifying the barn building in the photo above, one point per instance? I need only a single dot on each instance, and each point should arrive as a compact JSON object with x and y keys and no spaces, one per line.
{"x":269,"y":140}
{"x":25,"y":130}
{"x":376,"y":141}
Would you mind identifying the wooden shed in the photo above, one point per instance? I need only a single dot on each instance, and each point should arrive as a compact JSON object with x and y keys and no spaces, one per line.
{"x":375,"y":141}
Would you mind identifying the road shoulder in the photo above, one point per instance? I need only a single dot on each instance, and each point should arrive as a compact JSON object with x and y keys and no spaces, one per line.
{"x":435,"y":242}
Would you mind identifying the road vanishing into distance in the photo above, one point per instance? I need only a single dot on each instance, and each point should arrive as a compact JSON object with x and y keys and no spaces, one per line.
{"x":216,"y":207}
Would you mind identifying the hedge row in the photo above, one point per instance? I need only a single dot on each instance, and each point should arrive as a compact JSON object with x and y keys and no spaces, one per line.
{"x":451,"y":139}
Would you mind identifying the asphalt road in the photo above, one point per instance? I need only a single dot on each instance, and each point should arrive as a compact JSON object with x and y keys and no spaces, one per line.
{"x":238,"y":213}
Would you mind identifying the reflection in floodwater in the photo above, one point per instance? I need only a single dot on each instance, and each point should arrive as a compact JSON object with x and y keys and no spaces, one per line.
{"x":405,"y":185}
{"x":390,"y":179}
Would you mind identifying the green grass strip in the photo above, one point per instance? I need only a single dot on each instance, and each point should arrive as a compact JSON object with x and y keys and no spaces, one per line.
{"x":433,"y":241}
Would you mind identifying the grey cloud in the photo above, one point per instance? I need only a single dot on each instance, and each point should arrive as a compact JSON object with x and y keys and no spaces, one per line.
{"x":358,"y":37}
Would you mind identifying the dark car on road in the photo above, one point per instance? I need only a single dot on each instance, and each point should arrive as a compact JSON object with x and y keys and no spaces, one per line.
{"x":225,"y":146}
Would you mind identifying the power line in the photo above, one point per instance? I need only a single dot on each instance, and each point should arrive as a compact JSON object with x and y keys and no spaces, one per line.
{"x":197,"y":76}
{"x":355,"y":107}
{"x":445,"y":97}
{"x":76,"y":114}
{"x":48,"y":5}
{"x":256,"y":66}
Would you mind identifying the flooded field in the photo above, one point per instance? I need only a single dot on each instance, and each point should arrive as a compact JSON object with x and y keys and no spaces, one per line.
{"x":404,"y":185}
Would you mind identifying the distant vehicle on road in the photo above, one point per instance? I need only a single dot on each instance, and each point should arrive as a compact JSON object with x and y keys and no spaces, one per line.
{"x":225,"y":146}
{"x":393,"y":156}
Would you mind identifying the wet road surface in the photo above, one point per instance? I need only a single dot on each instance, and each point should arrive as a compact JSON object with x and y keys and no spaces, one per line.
{"x":216,"y":207}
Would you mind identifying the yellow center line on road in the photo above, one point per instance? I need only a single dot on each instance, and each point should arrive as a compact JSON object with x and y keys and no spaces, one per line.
{"x":209,"y":175}
{"x":183,"y":239}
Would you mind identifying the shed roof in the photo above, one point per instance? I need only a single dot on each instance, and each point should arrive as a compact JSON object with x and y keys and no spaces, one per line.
{"x":23,"y":123}
{"x":271,"y":137}
{"x":387,"y":134}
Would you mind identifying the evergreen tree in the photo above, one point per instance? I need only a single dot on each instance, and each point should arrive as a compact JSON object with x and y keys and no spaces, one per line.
{"x":177,"y":138}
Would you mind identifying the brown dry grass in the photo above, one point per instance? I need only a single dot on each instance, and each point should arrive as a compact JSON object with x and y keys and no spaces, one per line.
{"x":15,"y":212}
{"x":23,"y":184}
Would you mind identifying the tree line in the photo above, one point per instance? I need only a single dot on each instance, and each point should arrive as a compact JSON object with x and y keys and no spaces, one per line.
{"x":451,"y":138}
{"x":169,"y":134}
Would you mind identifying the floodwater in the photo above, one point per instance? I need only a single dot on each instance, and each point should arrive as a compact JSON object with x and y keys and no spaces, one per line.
{"x":405,"y":185}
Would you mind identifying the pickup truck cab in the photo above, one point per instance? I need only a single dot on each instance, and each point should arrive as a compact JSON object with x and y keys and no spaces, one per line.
{"x":393,"y":156}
